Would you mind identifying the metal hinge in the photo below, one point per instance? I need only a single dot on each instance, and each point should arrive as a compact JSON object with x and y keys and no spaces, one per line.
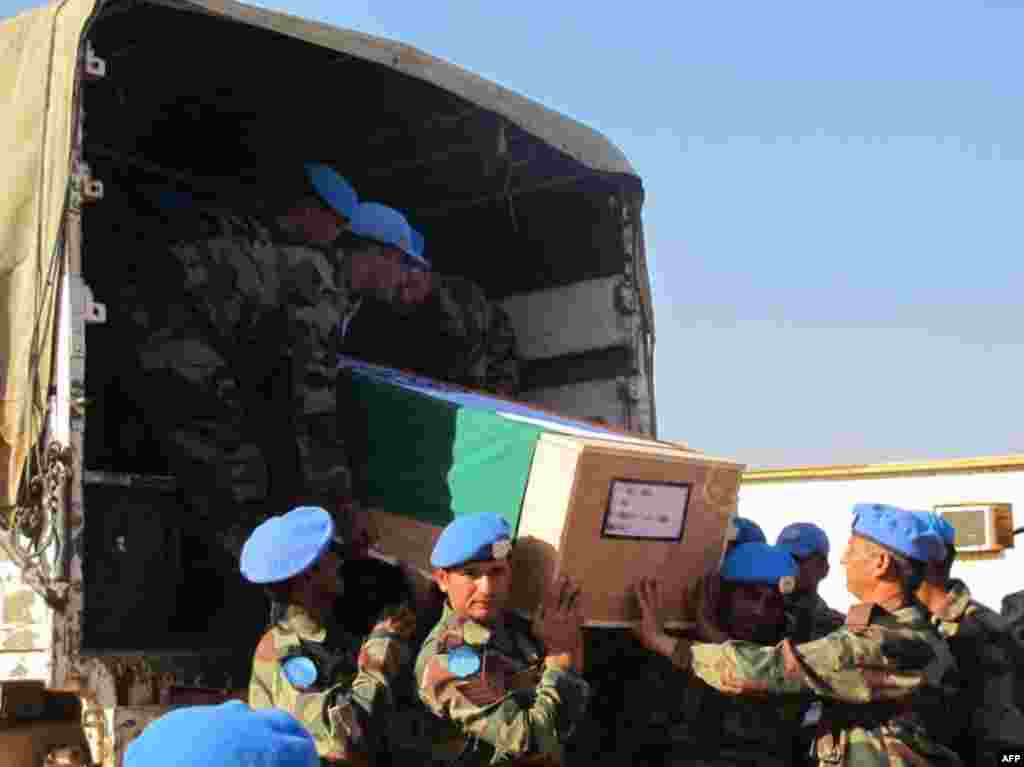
{"x":95,"y":67}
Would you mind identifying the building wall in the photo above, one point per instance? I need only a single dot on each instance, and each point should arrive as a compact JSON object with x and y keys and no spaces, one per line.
{"x":773,"y":504}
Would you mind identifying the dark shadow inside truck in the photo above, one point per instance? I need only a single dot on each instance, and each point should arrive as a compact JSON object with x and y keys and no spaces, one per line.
{"x":199,"y":103}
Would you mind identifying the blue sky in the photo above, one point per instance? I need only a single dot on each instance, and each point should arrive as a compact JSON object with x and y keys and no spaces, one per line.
{"x":833,"y":203}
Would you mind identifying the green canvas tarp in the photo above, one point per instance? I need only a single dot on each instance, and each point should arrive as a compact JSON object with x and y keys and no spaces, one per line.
{"x":431,"y":452}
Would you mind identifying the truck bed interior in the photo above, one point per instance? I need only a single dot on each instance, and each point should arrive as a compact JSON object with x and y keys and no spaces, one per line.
{"x":195,"y":102}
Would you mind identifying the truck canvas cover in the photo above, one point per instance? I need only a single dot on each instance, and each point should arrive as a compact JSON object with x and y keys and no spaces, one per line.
{"x":41,"y":50}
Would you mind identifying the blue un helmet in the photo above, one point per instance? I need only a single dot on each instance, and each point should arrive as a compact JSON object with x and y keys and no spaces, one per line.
{"x":472,"y":538}
{"x":419,"y":245}
{"x":941,"y":526}
{"x":760,"y":563}
{"x":228,"y":735}
{"x":285,"y":546}
{"x":899,"y":530}
{"x":384,"y":225}
{"x":743,"y":530}
{"x":333,"y":189}
{"x":802,"y":539}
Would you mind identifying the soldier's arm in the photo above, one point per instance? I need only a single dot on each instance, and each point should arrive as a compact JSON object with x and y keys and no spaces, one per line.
{"x":264,"y":670}
{"x":844,"y":666}
{"x":501,"y":356}
{"x":381,"y":659}
{"x":465,"y":318}
{"x":513,"y":726}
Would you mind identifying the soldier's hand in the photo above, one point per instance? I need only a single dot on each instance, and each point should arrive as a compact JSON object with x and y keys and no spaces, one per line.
{"x":650,"y":630}
{"x":558,"y":624}
{"x":400,"y":621}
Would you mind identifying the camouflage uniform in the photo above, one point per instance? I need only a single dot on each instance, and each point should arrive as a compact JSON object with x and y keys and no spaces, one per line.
{"x":987,"y":658}
{"x":808,"y":617}
{"x":367,"y":669}
{"x":238,"y":329}
{"x":456,"y":335}
{"x":882,"y":679}
{"x":512,"y":709}
{"x":686,"y":723}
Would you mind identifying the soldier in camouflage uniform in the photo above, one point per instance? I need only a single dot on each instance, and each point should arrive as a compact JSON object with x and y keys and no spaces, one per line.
{"x":985,"y":652}
{"x":336,"y":684}
{"x":239,"y":329}
{"x":509,"y":694}
{"x":883,"y":677}
{"x":704,"y":727}
{"x":442,"y":327}
{"x":808,"y":616}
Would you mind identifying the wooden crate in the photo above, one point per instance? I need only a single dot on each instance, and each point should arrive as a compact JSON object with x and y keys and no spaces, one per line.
{"x":591,"y":511}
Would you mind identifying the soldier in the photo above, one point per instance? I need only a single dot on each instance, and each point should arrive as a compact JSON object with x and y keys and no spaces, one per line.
{"x":442,"y":327}
{"x":808,"y":616}
{"x":240,"y":329}
{"x":710,"y":729}
{"x":336,"y":684}
{"x":510,"y":694}
{"x":985,"y":653}
{"x":228,"y":735}
{"x":882,"y":677}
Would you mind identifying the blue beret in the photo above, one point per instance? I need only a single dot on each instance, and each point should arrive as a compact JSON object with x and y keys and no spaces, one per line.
{"x":418,"y":246}
{"x":383,"y":224}
{"x":333,"y":188}
{"x":938,"y":524}
{"x":285,"y":546}
{"x":228,"y":735}
{"x":900,"y":530}
{"x":472,"y":538}
{"x":760,"y":563}
{"x":803,"y":539}
{"x":747,"y":531}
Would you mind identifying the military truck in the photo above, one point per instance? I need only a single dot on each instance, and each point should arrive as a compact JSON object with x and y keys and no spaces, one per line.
{"x":125,"y":602}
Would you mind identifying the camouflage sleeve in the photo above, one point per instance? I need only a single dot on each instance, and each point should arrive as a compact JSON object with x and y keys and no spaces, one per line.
{"x":501,"y":356}
{"x":844,"y":666}
{"x":381,"y":659}
{"x":465,"y":319}
{"x":261,"y":683}
{"x":513,"y":725}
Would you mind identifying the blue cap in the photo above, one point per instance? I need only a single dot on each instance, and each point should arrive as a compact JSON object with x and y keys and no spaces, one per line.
{"x":940,"y":525}
{"x":383,"y":224}
{"x":228,"y":735}
{"x":285,"y":546}
{"x":747,"y":531}
{"x":900,"y":530}
{"x":803,"y":539}
{"x":333,"y":188}
{"x":472,"y":538}
{"x":419,"y":244}
{"x":760,"y":563}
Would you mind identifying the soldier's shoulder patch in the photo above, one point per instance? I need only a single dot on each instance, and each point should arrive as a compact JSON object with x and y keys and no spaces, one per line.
{"x":463,"y":661}
{"x":859,"y":617}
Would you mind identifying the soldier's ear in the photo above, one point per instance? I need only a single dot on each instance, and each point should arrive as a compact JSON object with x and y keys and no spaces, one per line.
{"x":441,"y":579}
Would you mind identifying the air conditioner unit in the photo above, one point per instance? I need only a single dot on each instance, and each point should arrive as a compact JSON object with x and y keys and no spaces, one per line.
{"x":980,"y":526}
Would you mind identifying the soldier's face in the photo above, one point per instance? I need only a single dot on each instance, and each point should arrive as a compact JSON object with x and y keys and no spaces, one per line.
{"x":377,"y":271}
{"x":753,"y":612}
{"x":326,"y":574}
{"x":813,"y":570}
{"x":416,"y":287}
{"x":478,"y":590}
{"x":860,"y":560}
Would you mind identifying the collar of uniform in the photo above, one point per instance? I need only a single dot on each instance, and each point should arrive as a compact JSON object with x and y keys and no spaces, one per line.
{"x":958,"y":599}
{"x":304,"y":624}
{"x":911,"y":615}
